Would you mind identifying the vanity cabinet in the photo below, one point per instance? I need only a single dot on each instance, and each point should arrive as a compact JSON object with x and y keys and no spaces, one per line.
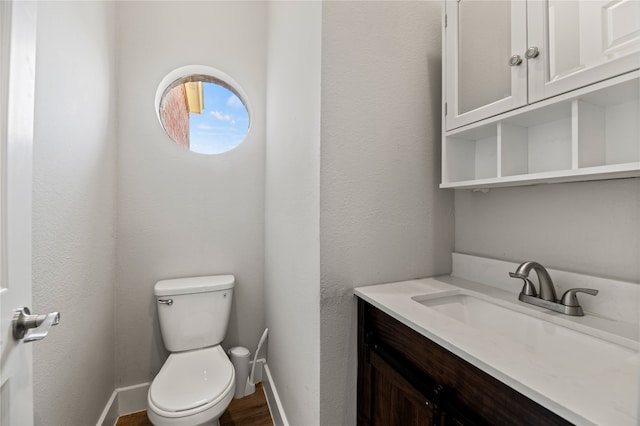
{"x":540,"y":91}
{"x":406,"y":379}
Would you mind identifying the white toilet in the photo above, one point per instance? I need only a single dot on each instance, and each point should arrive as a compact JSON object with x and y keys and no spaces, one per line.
{"x":197,"y":382}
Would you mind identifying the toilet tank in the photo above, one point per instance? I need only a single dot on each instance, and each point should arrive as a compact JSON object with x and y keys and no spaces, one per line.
{"x":194,"y":312}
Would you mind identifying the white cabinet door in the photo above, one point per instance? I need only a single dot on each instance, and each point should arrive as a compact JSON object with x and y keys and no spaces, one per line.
{"x":481,"y":37}
{"x":580,"y":42}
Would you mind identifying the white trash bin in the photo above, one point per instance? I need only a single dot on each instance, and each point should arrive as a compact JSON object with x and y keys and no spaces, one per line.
{"x":240,"y":359}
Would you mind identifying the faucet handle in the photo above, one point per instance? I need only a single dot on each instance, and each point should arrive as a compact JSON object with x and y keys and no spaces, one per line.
{"x":528,"y":289}
{"x":569,"y":297}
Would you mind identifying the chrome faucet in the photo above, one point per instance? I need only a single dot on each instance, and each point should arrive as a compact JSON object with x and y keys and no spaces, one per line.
{"x":567,"y":305}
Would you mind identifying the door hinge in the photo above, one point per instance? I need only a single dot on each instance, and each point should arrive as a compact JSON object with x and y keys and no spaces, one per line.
{"x":446,"y":21}
{"x":445,"y":108}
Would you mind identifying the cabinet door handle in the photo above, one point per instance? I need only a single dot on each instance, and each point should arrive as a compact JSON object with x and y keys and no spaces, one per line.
{"x":515,"y":60}
{"x":532,"y":52}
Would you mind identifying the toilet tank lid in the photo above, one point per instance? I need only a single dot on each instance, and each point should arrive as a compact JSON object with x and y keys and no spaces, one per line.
{"x":194,"y":285}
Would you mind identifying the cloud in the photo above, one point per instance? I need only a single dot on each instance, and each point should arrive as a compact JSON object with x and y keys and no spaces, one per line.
{"x":234,"y":102}
{"x":223,"y":117}
{"x":204,"y":127}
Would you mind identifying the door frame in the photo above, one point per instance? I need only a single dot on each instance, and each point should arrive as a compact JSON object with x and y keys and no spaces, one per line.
{"x":17,"y":102}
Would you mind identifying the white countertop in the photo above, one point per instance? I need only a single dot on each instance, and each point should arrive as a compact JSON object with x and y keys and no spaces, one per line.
{"x":591,"y":390}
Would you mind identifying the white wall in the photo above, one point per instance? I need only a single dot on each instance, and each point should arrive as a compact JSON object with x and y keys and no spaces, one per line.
{"x":179,"y":213}
{"x":587,"y":227}
{"x":292,"y":247}
{"x":382,"y":217}
{"x":74,"y":210}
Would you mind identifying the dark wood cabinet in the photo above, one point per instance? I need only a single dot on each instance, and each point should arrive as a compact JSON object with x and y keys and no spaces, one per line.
{"x":406,"y":379}
{"x":394,"y":401}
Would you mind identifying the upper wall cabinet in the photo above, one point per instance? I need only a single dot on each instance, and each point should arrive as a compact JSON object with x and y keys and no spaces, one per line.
{"x":497,"y":51}
{"x":540,"y":91}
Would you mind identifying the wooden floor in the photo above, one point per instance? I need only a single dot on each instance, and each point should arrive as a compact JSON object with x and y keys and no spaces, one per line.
{"x":251,"y":410}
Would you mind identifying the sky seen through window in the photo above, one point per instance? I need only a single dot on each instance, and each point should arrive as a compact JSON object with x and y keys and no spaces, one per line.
{"x":223,"y":123}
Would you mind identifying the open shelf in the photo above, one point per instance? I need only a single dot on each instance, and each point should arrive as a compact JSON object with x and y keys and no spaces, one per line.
{"x":530,"y":145}
{"x":591,"y":133}
{"x":608,"y":129}
{"x":472,"y":155}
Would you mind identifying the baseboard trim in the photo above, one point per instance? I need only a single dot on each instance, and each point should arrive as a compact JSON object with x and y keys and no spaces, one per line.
{"x":132,"y":399}
{"x":109,"y":415}
{"x":126,"y":400}
{"x":273,"y":399}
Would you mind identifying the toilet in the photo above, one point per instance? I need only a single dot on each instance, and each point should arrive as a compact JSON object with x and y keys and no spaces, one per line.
{"x":197,"y":382}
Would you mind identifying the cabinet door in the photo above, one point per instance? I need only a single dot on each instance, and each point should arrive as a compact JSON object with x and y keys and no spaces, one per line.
{"x":394,"y":402}
{"x":481,"y":37}
{"x":580,"y":42}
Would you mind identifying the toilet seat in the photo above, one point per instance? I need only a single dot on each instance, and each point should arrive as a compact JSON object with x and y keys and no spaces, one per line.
{"x":191,"y":382}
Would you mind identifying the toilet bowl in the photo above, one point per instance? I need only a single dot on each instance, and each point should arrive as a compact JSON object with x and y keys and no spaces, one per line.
{"x":192,"y":388}
{"x":197,"y":382}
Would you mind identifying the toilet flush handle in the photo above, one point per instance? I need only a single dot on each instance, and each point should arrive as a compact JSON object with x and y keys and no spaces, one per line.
{"x":166,"y":301}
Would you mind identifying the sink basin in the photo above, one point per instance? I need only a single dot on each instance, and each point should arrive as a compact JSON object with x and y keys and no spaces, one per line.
{"x":506,"y":327}
{"x":470,"y":310}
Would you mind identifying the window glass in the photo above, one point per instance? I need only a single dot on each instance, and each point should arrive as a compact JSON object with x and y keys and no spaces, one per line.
{"x":203,"y":113}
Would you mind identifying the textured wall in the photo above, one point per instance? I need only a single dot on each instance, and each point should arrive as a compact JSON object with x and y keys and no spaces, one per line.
{"x":180,"y":213}
{"x":292,"y":250}
{"x":74,"y":210}
{"x":382,"y":217}
{"x":587,"y":227}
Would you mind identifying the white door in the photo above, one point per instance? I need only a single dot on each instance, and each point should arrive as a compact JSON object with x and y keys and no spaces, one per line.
{"x":580,"y":43}
{"x":486,"y":73}
{"x":17,"y":78}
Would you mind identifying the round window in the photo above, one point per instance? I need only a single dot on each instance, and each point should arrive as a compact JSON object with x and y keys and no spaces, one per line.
{"x":202,"y":110}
